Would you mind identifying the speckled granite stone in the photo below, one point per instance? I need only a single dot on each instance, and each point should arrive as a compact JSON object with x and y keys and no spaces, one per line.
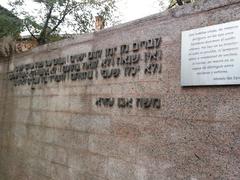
{"x":56,"y":131}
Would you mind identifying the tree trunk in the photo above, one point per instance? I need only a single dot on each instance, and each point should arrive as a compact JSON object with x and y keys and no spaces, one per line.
{"x":41,"y":40}
{"x":179,"y":2}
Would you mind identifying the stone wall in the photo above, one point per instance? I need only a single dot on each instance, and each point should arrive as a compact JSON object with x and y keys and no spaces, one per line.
{"x":61,"y":130}
{"x":5,"y":121}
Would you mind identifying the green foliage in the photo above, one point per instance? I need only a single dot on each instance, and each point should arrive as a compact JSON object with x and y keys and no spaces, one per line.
{"x":10,"y":24}
{"x":53,"y":16}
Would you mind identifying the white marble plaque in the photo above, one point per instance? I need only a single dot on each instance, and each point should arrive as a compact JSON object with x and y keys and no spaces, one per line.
{"x":211,"y":55}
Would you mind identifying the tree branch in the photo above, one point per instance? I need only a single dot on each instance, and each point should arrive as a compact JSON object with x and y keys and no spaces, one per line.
{"x":31,"y":32}
{"x":48,"y":17}
{"x":65,"y":12}
{"x":42,"y":36}
{"x":172,"y":5}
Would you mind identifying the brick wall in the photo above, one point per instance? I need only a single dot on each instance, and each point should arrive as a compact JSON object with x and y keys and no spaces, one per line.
{"x":56,"y":131}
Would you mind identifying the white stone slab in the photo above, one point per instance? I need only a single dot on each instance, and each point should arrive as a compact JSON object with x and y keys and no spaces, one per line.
{"x":211,"y":55}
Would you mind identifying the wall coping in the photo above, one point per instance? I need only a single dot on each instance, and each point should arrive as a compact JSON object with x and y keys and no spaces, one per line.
{"x":200,"y":6}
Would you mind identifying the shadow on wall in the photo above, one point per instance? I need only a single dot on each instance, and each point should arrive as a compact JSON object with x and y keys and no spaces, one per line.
{"x":7,"y":46}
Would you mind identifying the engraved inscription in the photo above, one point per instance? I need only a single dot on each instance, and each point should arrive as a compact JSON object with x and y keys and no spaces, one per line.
{"x":110,"y":63}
